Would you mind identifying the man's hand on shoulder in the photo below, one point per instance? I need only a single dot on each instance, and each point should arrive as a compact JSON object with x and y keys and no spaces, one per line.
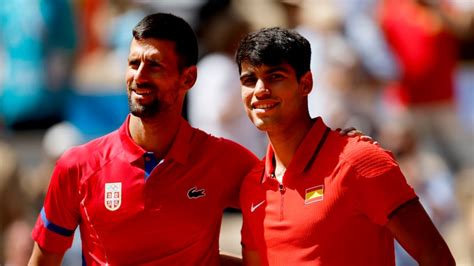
{"x":353,"y":132}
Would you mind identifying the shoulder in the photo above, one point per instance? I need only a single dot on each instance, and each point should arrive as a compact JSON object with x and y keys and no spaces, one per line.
{"x":368,"y":159}
{"x":218,"y":143}
{"x":252,"y":182}
{"x":221,"y":150}
{"x":91,"y":155}
{"x":256,"y":174}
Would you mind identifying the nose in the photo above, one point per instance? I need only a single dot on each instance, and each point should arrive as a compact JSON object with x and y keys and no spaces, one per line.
{"x":261,"y":90}
{"x":141,"y":75}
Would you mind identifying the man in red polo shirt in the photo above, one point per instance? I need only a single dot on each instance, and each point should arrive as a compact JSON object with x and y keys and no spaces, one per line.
{"x":319,"y":198}
{"x":152,"y":192}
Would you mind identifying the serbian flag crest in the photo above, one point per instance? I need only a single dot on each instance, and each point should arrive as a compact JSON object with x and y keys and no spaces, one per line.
{"x":113,"y":196}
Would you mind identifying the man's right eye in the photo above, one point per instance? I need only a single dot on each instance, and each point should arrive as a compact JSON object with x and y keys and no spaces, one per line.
{"x":133,"y":64}
{"x":249,"y":81}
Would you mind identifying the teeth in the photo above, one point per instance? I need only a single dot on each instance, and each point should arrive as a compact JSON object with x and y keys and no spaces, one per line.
{"x":263,"y":106}
{"x":143,"y":91}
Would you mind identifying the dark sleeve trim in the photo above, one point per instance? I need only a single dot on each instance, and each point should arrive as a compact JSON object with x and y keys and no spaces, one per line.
{"x":53,"y":227}
{"x":390,"y":215}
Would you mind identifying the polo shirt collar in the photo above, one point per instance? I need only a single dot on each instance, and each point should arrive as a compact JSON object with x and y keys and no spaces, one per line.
{"x":179,"y":150}
{"x":181,"y":146}
{"x":303,"y":156}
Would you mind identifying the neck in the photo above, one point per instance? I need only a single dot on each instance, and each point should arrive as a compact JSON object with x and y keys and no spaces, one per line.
{"x":154,"y":134}
{"x":285,"y":142}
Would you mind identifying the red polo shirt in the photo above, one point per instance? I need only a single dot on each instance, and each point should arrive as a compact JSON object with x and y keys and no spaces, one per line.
{"x":172,"y":217}
{"x":336,"y":196}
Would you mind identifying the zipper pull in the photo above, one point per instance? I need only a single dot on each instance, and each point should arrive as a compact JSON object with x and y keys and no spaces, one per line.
{"x":282,"y":188}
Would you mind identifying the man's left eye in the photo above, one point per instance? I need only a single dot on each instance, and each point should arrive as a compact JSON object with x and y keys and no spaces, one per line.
{"x":276,"y":77}
{"x":154,"y":64}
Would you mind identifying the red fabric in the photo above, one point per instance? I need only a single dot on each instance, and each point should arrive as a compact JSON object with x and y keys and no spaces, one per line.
{"x":426,"y":51}
{"x":156,"y":223}
{"x":362,"y":185}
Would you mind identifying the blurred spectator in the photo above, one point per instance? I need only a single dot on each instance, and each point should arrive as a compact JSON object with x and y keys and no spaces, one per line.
{"x":260,"y":14}
{"x":38,"y":39}
{"x":344,"y":93}
{"x":363,"y":32}
{"x":464,"y":11}
{"x":90,"y":28}
{"x":105,"y":42}
{"x":465,"y":194}
{"x":13,"y":204}
{"x":18,"y":243}
{"x":98,"y":104}
{"x":423,"y":37}
{"x":214,"y":103}
{"x":332,"y":62}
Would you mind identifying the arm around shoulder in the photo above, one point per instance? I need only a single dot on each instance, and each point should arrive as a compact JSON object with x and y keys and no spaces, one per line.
{"x":40,"y":257}
{"x":416,"y":233}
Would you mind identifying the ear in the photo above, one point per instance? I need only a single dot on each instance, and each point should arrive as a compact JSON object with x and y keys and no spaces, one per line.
{"x":306,"y":83}
{"x":189,"y":77}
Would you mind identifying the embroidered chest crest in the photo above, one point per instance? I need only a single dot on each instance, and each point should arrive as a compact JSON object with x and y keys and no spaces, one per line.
{"x":113,"y":196}
{"x":314,"y":194}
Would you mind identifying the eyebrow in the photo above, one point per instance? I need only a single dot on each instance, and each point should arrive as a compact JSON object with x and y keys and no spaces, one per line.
{"x":153,"y":60}
{"x":276,"y":69}
{"x":270,"y":70}
{"x":246,"y":75}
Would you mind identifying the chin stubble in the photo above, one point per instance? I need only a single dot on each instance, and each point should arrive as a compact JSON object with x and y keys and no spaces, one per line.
{"x":147,"y":110}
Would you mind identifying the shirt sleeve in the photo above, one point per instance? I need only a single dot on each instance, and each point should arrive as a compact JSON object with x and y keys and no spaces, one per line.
{"x":242,"y":162}
{"x":247,"y":238}
{"x":380,"y":187}
{"x":58,"y":219}
{"x":251,"y":235}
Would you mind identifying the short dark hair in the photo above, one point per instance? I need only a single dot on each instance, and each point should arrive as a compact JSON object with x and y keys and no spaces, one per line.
{"x":172,"y":28}
{"x":273,"y":46}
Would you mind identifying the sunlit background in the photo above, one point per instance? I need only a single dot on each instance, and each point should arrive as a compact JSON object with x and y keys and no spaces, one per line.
{"x":401,"y":71}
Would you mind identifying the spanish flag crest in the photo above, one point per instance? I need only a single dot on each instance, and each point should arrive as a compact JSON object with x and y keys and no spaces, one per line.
{"x":314,"y":194}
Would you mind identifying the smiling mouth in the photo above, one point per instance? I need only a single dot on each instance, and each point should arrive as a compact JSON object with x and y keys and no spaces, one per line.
{"x":263,"y":106}
{"x":142,"y":91}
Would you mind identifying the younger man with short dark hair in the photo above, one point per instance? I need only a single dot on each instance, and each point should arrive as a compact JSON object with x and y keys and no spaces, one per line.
{"x":319,"y":198}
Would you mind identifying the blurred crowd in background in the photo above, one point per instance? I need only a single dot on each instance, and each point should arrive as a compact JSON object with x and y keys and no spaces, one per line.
{"x":399,"y":71}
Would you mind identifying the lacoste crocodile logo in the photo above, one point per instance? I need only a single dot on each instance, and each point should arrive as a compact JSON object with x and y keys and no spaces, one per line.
{"x":195,"y":193}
